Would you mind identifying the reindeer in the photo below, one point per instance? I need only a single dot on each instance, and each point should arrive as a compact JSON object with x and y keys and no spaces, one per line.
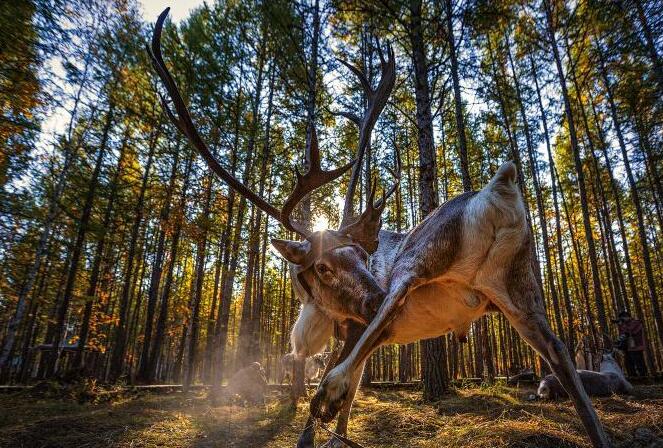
{"x":607,"y":381}
{"x":472,"y":255}
{"x":314,"y":365}
{"x":249,"y":383}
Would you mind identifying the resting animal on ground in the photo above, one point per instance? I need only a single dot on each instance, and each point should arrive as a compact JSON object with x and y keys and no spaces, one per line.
{"x":607,"y":381}
{"x":312,"y":369}
{"x":249,"y":383}
{"x":472,"y":255}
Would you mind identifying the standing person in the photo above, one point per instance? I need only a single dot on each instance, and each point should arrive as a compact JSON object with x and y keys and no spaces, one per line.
{"x":631,"y":332}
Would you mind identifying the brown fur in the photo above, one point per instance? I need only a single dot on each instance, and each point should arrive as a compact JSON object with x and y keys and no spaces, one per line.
{"x":249,"y":384}
{"x":471,"y":255}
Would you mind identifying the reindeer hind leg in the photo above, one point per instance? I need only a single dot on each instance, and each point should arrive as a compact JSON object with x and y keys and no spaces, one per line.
{"x":507,"y":277}
{"x":531,"y":324}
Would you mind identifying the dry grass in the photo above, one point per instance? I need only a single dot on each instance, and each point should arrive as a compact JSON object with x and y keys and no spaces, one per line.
{"x":470,"y":418}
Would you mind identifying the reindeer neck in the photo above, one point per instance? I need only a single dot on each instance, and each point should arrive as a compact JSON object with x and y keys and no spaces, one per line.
{"x":389,"y":244}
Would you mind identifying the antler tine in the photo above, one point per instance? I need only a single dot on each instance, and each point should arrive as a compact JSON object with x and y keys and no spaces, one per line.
{"x":364,"y":229}
{"x":349,"y":115}
{"x":382,"y":202}
{"x":359,"y":74}
{"x":377,"y":44}
{"x":397,"y":180}
{"x":390,"y":52}
{"x":314,"y":178}
{"x":377,"y":100}
{"x":182,"y":120}
{"x":371,"y":194}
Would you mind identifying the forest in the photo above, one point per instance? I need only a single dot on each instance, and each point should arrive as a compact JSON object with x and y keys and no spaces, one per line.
{"x":125,"y":260}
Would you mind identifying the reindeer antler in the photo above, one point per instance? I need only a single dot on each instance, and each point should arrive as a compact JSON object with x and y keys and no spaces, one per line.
{"x":365,"y":228}
{"x":314,"y":177}
{"x":376,"y":101}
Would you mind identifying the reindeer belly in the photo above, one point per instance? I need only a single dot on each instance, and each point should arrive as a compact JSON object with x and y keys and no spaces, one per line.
{"x":436,"y":308}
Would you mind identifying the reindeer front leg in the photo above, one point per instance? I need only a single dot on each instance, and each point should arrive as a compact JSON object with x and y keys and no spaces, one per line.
{"x":344,"y":413}
{"x":307,"y":437}
{"x":334,"y":390}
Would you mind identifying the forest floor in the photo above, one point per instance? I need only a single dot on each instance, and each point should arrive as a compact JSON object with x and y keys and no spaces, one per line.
{"x":485,"y":417}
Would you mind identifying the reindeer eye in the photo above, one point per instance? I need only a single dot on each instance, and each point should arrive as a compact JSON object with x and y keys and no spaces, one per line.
{"x":322,"y":268}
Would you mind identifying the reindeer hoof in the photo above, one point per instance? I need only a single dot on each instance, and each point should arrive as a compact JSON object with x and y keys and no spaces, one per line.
{"x":307,"y":437}
{"x":330,"y":396}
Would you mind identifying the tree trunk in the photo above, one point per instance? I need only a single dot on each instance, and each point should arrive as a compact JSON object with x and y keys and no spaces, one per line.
{"x":137,"y":296}
{"x":570,"y":339}
{"x":635,"y":198}
{"x":120,"y":339}
{"x":84,"y":222}
{"x":615,"y":189}
{"x":228,"y":274}
{"x":581,"y":277}
{"x":543,"y":224}
{"x":650,"y":44}
{"x":458,"y":101}
{"x":211,"y":318}
{"x":596,"y":280}
{"x":598,"y":294}
{"x":433,"y":350}
{"x":96,"y":264}
{"x":194,"y":322}
{"x":21,"y":304}
{"x":155,"y":278}
{"x":162,"y":319}
{"x":32,"y":325}
{"x":15,"y":322}
{"x":264,"y":166}
{"x":246,"y":327}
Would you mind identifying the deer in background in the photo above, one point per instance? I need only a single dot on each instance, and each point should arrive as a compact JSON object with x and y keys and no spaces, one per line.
{"x":607,"y":381}
{"x":314,"y":365}
{"x":249,"y":384}
{"x":470,"y":256}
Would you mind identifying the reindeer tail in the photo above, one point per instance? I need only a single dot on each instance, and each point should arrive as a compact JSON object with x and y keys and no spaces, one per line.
{"x":506,"y":175}
{"x":503,"y":193}
{"x":504,"y":182}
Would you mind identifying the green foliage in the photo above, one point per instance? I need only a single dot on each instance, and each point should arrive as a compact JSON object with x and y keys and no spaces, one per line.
{"x":244,"y":70}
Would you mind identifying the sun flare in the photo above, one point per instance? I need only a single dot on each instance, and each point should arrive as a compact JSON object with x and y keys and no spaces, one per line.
{"x":320,"y":223}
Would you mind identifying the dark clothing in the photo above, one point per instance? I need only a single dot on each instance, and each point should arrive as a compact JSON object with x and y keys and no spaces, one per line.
{"x":634,"y":338}
{"x":635,"y":363}
{"x":633,"y":328}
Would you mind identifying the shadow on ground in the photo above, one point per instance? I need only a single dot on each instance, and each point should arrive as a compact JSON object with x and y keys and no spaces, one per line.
{"x":468,"y":418}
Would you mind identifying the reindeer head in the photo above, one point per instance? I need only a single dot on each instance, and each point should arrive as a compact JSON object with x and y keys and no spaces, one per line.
{"x":332,"y":265}
{"x":332,"y":268}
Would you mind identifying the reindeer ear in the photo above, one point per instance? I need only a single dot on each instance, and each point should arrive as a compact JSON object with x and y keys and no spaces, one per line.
{"x":293,"y":251}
